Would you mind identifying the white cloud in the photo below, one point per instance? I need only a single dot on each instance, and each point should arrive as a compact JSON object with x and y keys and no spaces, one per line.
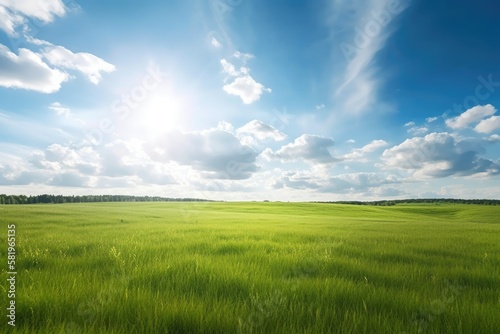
{"x":417,"y":130}
{"x":431,"y":119}
{"x":229,"y":68}
{"x":88,"y":64}
{"x":60,"y":110}
{"x":215,"y":43}
{"x":297,"y":180}
{"x":57,"y":157}
{"x":246,"y":88}
{"x":493,"y":138}
{"x":15,"y":174}
{"x":225,"y":126}
{"x":217,"y":161}
{"x":117,"y":164}
{"x":14,"y":14}
{"x":128,"y":159}
{"x":44,"y":11}
{"x":359,"y":153}
{"x":374,"y":145}
{"x":216,"y":153}
{"x":387,"y":192}
{"x":320,"y":106}
{"x":261,"y":131}
{"x":28,"y":71}
{"x":473,"y":115}
{"x":244,"y":70}
{"x":37,"y":41}
{"x":488,"y":125}
{"x":351,"y":183}
{"x":409,"y":124}
{"x":9,"y":21}
{"x":439,"y":155}
{"x":243,"y":56}
{"x":312,"y":148}
{"x":192,"y":158}
{"x":358,"y":182}
{"x":243,"y":85}
{"x":71,"y":179}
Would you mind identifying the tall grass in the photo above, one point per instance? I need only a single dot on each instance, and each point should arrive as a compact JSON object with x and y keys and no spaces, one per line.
{"x":255,"y":268}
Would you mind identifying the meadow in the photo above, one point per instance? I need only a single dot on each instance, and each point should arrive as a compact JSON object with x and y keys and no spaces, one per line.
{"x":254,"y":268}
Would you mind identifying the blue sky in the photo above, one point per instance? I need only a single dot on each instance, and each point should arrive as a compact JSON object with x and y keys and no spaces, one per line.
{"x":251,"y":100}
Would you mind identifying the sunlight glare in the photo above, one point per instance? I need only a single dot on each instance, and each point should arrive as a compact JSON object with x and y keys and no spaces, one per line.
{"x":161,"y":113}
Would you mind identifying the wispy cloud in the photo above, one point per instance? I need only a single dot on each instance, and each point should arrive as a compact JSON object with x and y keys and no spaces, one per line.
{"x":60,"y":110}
{"x":37,"y":41}
{"x":31,"y":130}
{"x":365,"y":27}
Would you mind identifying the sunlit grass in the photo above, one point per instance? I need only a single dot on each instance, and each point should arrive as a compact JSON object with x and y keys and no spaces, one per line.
{"x":256,"y":268}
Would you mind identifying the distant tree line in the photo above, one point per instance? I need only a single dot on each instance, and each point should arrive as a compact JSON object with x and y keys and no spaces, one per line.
{"x":422,"y":200}
{"x":59,"y":199}
{"x":56,"y":199}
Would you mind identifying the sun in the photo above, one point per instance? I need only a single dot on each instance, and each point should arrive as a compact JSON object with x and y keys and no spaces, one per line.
{"x":160,"y":113}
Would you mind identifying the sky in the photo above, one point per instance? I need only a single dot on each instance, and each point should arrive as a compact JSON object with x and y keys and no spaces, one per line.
{"x":289,"y":100}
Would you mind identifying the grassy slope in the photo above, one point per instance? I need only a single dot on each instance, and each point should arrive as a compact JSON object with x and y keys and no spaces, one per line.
{"x":256,"y":268}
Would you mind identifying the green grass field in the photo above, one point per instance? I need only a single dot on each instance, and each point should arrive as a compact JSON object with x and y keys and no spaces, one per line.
{"x":254,"y":268}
